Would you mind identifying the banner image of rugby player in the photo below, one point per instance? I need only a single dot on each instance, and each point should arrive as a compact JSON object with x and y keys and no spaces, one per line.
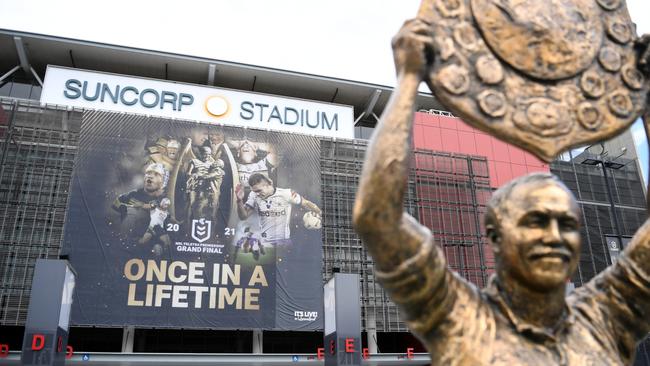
{"x":189,"y":225}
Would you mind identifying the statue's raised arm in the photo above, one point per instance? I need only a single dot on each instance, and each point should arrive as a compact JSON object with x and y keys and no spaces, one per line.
{"x":409,"y":266}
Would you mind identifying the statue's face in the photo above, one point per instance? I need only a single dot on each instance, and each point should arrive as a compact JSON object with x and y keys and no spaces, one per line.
{"x":539,"y":236}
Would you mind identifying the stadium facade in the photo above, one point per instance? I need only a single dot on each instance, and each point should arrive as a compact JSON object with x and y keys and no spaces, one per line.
{"x":455,"y":168}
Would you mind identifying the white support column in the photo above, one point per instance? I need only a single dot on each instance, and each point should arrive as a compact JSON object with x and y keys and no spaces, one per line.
{"x":258,"y":341}
{"x":372,"y":101}
{"x":371,"y":331}
{"x":127,"y":339}
{"x":22,"y":55}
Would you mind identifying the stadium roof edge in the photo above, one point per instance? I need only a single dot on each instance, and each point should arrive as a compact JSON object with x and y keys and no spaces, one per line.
{"x":368,"y":99}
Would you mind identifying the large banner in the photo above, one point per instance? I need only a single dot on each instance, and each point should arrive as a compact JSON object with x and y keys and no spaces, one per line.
{"x":176,"y":224}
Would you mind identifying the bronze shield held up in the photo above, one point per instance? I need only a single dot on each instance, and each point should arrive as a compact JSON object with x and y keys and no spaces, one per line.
{"x":543,"y":75}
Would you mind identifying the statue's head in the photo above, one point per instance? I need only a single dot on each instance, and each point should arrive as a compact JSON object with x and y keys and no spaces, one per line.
{"x":533,"y":224}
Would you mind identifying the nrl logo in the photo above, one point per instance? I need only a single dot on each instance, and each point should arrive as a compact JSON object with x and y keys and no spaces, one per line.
{"x":201,"y":230}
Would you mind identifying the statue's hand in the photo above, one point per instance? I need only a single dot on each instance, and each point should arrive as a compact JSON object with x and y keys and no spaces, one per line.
{"x":411,"y":45}
{"x":642,"y":47}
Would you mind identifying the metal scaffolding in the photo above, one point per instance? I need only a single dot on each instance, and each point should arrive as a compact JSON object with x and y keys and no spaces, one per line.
{"x":446,"y":192}
{"x":588,"y":184}
{"x":38,"y":148}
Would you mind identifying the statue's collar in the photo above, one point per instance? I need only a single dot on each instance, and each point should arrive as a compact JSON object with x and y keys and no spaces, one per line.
{"x":494,"y":294}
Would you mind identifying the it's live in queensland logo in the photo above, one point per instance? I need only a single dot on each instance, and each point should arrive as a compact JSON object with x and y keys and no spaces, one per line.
{"x":305,"y":316}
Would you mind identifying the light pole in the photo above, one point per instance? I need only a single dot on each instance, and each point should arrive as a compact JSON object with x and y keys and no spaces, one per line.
{"x":605,"y":164}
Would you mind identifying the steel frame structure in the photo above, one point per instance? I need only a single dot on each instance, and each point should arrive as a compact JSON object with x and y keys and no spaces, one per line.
{"x":446,"y":192}
{"x":38,"y":148}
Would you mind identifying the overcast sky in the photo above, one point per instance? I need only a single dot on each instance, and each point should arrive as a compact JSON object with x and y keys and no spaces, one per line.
{"x":348,"y":39}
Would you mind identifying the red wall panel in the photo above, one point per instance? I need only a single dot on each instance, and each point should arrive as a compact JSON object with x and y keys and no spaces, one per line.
{"x":445,"y":209}
{"x":450,"y":134}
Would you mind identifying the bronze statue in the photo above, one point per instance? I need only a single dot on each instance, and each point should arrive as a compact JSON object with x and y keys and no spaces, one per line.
{"x":523,"y":316}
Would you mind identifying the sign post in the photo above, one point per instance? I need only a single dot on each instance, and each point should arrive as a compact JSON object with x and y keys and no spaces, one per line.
{"x":46,"y":331}
{"x":342,"y":321}
{"x":615,"y":247}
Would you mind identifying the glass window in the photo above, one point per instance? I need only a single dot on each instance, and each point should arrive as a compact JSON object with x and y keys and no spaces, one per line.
{"x":20,"y":85}
{"x":20,"y":90}
{"x":363,"y":132}
{"x":36,"y":92}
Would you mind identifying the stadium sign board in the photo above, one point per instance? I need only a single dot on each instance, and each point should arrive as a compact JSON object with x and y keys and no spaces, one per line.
{"x":111,"y":92}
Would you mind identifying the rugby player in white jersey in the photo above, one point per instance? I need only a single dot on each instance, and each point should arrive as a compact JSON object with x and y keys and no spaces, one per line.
{"x":253,"y":158}
{"x":273,"y":206}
